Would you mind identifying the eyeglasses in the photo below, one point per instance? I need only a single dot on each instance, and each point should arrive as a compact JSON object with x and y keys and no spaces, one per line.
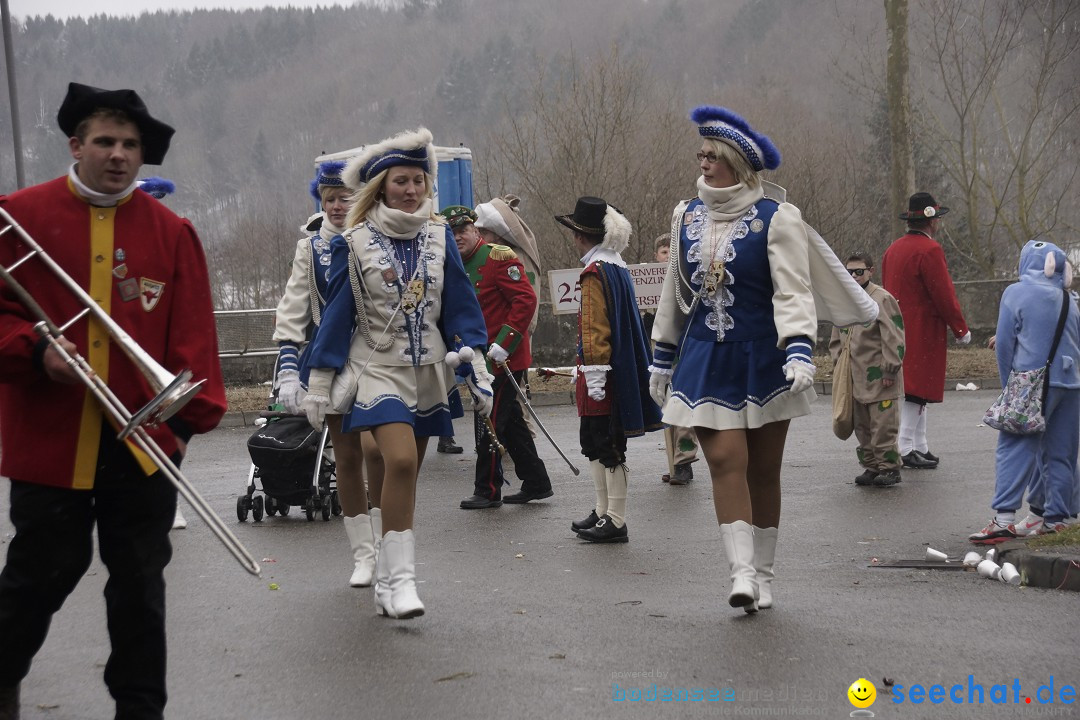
{"x":711,"y":157}
{"x":857,"y":272}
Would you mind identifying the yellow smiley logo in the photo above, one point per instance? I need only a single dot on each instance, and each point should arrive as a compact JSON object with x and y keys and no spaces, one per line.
{"x":862,"y":693}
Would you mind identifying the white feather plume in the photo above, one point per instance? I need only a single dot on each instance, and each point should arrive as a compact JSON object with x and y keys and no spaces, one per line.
{"x":616,"y":230}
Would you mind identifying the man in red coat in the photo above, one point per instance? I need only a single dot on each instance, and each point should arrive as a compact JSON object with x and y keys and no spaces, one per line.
{"x":913,"y":270}
{"x":509,"y":302}
{"x":145,"y":268}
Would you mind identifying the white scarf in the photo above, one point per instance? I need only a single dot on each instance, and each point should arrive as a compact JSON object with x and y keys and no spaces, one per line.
{"x":399,"y":224}
{"x":603,"y":254}
{"x":327,"y":231}
{"x":96,"y":198}
{"x":729,"y":203}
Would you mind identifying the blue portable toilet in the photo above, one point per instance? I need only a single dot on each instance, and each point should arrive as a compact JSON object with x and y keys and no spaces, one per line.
{"x":453,"y":186}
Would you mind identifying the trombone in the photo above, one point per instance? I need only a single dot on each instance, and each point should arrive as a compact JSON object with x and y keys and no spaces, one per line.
{"x":173,"y":392}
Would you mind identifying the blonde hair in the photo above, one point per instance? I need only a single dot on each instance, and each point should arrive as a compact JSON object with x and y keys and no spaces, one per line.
{"x":372,"y":192}
{"x":740,"y":166}
{"x":324,"y":189}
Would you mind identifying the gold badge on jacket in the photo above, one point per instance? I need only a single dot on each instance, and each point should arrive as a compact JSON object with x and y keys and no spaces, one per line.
{"x":150,"y":292}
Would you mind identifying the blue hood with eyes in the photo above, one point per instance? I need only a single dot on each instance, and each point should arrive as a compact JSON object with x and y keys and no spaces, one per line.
{"x":1033,"y":261}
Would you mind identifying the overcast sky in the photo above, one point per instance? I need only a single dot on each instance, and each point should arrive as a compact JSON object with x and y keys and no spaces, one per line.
{"x":85,"y":8}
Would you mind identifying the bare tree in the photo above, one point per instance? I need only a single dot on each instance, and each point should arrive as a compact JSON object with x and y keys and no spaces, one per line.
{"x":1001,"y":109}
{"x":599,"y":125}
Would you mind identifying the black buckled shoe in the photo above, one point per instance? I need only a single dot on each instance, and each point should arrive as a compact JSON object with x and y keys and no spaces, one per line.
{"x":604,"y":532}
{"x":579,"y":525}
{"x":520,"y":498}
{"x":479,"y":502}
{"x":449,"y":447}
{"x":916,"y":461}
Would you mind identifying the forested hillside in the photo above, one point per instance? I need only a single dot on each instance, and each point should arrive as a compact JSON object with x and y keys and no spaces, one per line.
{"x":559,"y":98}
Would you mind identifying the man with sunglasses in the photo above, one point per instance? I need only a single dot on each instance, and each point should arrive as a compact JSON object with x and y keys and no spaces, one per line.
{"x":877,"y":378}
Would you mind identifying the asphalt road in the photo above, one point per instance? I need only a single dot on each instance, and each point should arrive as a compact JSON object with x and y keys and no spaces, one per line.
{"x":525,"y":621}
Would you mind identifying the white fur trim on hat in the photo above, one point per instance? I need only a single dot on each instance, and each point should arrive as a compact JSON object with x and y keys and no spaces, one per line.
{"x":616,"y":230}
{"x":408,"y":140}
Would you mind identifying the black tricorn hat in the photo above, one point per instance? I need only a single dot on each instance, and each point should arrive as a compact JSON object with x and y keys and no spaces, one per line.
{"x":83,"y":100}
{"x":923,"y":206}
{"x":588,"y":216}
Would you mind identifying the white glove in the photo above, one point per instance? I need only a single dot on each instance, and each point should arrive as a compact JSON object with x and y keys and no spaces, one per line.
{"x":290,"y":393}
{"x":497,"y":354}
{"x":315,"y":407}
{"x":964,"y":340}
{"x":659,"y":387}
{"x":800,"y":374}
{"x":479,"y":382}
{"x":595,"y":380}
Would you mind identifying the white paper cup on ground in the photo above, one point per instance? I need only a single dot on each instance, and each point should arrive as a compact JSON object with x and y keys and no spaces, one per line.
{"x":972,"y":559}
{"x":1009,"y":574}
{"x":989,"y":569}
{"x":935,"y":555}
{"x":990,"y":554}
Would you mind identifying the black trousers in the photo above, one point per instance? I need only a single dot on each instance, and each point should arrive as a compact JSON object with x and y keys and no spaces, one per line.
{"x":508,"y":417}
{"x":51,"y":551}
{"x":602,"y":439}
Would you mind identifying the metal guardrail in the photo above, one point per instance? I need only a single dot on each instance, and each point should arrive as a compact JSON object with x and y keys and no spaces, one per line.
{"x":245,"y":333}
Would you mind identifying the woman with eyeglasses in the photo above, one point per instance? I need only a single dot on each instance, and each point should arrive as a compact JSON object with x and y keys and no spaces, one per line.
{"x":733,"y":336}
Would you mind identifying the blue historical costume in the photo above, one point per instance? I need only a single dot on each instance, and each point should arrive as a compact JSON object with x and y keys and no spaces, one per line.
{"x":389,"y":320}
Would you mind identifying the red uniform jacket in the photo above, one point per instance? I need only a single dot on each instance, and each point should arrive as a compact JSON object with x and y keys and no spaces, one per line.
{"x":507,"y":300}
{"x":913,"y":270}
{"x":145,"y":267}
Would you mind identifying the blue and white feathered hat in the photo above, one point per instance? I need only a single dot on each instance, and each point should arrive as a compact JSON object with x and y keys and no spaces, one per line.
{"x":412,"y":148}
{"x":721,"y":124}
{"x":159,"y":187}
{"x":328,"y":175}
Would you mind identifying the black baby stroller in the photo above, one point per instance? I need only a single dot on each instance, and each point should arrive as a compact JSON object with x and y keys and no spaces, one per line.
{"x":296,"y":466}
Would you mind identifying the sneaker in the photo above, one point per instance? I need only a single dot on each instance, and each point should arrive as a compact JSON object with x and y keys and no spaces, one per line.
{"x":684,"y":473}
{"x":1051,"y":528}
{"x":448,"y":446}
{"x":993,"y":533}
{"x":867,"y":478}
{"x":1029,"y":525}
{"x":886,"y":478}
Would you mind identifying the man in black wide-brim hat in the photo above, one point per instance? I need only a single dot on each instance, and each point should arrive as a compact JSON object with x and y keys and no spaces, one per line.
{"x":145,"y":268}
{"x":913,"y":270}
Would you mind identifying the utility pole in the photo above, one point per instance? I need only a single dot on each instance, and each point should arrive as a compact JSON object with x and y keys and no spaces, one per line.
{"x":13,"y":94}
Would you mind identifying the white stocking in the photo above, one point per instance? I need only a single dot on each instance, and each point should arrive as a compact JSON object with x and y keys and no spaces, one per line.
{"x":909,"y":418}
{"x":920,"y":431}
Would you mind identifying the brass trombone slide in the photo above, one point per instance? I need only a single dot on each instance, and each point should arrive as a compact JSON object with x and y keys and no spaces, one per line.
{"x":112,"y":406}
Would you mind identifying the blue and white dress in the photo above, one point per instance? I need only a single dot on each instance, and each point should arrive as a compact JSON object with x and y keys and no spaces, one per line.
{"x":736,"y":305}
{"x":395,"y":305}
{"x":300,"y":310}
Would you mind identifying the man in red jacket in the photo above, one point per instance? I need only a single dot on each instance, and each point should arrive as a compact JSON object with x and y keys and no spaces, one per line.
{"x":508,"y":301}
{"x":145,"y":267}
{"x":913,"y":270}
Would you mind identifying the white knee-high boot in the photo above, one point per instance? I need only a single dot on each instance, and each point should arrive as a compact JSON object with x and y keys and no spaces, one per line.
{"x":362,"y":540}
{"x":398,"y":556}
{"x":738,"y":539}
{"x":764,"y":555}
{"x":599,"y":476}
{"x":376,"y":528}
{"x":616,"y":494}
{"x":909,"y":418}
